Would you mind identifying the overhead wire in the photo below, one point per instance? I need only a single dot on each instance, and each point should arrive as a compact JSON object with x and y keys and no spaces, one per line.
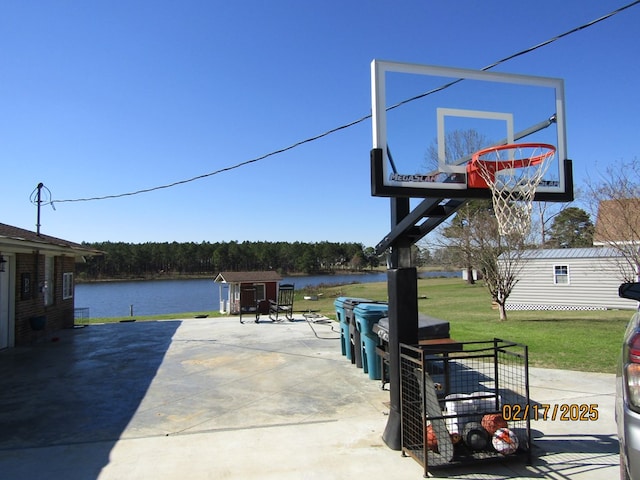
{"x":354,"y":122}
{"x":225,"y":169}
{"x":518,"y":54}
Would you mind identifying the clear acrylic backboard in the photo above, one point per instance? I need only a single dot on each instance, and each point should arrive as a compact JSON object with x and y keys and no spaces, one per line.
{"x":429,"y":120}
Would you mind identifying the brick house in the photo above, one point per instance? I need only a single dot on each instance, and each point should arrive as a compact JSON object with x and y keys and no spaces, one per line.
{"x":618,"y":222}
{"x":36,"y":284}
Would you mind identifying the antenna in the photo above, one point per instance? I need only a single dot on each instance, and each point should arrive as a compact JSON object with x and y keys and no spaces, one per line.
{"x":39,"y":201}
{"x":36,"y":198}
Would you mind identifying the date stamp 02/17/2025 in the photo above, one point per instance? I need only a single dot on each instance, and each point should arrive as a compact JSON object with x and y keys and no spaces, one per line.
{"x":563,"y":412}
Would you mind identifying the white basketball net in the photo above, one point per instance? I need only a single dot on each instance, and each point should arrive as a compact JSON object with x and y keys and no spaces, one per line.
{"x":513,"y":189}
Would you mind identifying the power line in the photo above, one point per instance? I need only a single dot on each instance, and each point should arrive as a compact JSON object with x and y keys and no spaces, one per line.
{"x":518,"y":54}
{"x":216,"y":172}
{"x":355,"y":122}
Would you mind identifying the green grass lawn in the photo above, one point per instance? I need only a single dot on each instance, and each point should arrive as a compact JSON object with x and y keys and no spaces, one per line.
{"x":574,"y":340}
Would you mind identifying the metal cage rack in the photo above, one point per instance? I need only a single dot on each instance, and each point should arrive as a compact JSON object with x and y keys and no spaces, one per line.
{"x":81,"y":316}
{"x":465,"y":405}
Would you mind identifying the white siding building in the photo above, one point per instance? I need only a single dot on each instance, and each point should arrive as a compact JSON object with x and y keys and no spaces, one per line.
{"x":570,"y":279}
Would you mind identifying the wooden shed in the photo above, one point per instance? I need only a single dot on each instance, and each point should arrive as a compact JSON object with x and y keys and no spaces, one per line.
{"x":265,"y":282}
{"x":570,"y":279}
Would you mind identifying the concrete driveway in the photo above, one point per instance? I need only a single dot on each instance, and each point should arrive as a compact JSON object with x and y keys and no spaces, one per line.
{"x":211,"y":398}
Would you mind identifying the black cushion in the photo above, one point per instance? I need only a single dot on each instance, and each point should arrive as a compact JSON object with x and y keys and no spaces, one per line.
{"x":428,"y":327}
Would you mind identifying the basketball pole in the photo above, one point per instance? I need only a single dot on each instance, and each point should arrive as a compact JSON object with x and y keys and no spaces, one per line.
{"x":402,"y":285}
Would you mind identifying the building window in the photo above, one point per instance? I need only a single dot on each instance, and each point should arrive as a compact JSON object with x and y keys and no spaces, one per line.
{"x":48,"y":289}
{"x":260,"y":291}
{"x":67,"y":286}
{"x":561,"y":274}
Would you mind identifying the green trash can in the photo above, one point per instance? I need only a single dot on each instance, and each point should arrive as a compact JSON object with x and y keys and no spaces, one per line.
{"x":344,"y":312}
{"x":366,"y":316}
{"x":354,"y":335}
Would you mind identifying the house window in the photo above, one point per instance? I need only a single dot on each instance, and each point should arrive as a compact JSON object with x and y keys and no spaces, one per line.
{"x":48,"y":288}
{"x":561,"y":274}
{"x":260,"y":291}
{"x":67,"y":286}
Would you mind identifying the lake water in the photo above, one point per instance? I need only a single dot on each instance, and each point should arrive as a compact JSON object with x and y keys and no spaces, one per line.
{"x":155,"y":297}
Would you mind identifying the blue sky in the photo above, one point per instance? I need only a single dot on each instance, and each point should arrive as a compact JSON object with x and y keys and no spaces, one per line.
{"x":108,"y":97}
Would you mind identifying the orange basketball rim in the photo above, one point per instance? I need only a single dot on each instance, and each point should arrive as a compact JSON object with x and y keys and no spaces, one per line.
{"x":481,"y":169}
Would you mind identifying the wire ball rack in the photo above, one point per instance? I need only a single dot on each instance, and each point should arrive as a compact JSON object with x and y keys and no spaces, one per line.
{"x":466,"y":405}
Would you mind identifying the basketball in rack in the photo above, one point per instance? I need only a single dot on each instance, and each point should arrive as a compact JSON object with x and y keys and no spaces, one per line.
{"x":512,"y":172}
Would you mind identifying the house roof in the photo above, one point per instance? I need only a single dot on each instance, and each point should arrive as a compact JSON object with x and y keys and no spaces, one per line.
{"x":565,"y":253}
{"x":618,"y":221}
{"x":18,"y":240}
{"x":245,"y":277}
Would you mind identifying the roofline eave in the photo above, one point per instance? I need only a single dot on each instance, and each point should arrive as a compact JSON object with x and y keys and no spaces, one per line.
{"x":13,"y":245}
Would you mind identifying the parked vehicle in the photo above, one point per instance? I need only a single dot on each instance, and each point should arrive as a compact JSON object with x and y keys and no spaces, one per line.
{"x":628,"y":391}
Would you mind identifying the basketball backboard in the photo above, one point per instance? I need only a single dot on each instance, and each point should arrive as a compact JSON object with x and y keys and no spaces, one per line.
{"x":428,"y":121}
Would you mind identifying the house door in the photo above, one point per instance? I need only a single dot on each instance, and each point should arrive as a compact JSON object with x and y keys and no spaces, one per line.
{"x":5,"y":331}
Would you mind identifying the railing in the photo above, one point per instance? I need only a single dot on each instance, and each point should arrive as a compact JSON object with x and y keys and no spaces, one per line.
{"x":81,"y":316}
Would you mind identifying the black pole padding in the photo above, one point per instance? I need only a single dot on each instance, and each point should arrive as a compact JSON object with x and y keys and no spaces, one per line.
{"x":403,"y":328}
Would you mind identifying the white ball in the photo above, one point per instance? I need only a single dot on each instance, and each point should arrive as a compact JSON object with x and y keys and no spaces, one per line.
{"x":505,"y":441}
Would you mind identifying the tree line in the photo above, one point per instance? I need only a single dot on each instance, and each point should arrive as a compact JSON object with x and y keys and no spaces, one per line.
{"x":153,"y":259}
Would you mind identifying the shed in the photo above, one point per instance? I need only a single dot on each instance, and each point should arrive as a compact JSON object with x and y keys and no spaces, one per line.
{"x":265,"y":282}
{"x":36,"y":284}
{"x":570,"y":279}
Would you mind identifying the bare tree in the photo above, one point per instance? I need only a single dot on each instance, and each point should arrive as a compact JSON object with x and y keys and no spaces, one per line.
{"x":546,"y":212}
{"x":459,"y":144}
{"x":474,"y":234}
{"x":459,"y":234}
{"x":615,"y":203}
{"x":500,"y":257}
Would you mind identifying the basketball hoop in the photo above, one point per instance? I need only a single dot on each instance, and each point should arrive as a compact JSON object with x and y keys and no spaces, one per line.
{"x":512,"y":172}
